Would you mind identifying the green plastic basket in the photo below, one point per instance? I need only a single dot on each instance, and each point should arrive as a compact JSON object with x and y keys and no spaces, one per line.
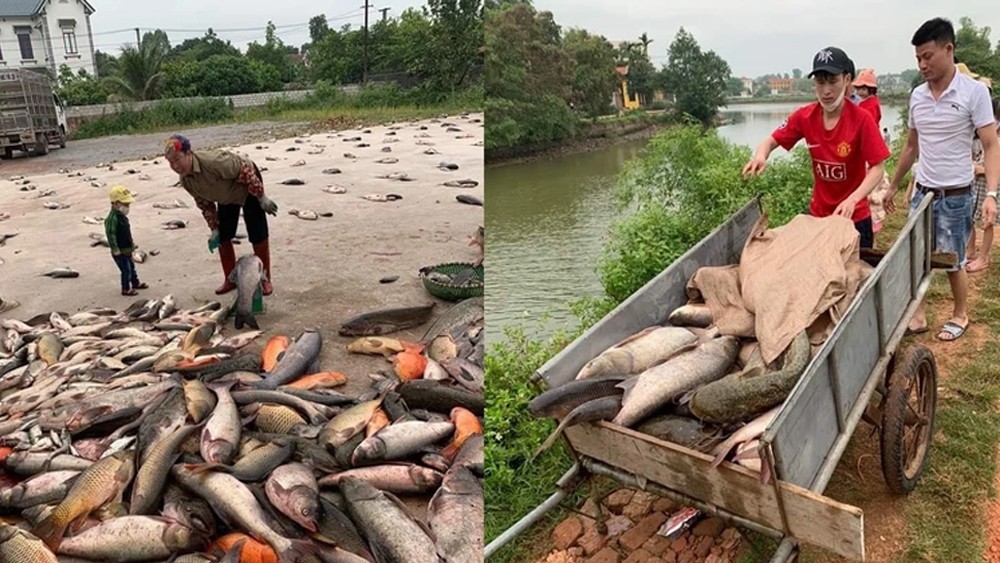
{"x":452,"y":292}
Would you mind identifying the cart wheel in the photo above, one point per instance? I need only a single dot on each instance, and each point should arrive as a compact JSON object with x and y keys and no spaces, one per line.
{"x":908,"y":418}
{"x":41,"y":145}
{"x":62,"y":137}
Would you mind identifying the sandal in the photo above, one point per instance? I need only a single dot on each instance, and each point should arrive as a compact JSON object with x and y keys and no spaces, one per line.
{"x":142,"y":285}
{"x":130,"y":292}
{"x":915,"y":331}
{"x":954,"y":329}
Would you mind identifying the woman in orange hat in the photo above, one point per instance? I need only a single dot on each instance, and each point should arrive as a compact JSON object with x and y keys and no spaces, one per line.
{"x":867,"y":90}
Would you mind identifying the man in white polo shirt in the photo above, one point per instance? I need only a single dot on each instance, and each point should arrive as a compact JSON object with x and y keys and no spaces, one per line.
{"x":945,"y":111}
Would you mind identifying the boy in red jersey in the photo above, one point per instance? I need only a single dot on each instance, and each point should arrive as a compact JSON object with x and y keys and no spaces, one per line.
{"x":843,"y":141}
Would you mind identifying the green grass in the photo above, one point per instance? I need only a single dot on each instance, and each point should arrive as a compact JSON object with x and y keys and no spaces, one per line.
{"x":372,"y":106}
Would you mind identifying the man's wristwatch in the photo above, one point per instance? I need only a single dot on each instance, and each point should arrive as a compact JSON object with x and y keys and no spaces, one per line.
{"x":991,"y":194}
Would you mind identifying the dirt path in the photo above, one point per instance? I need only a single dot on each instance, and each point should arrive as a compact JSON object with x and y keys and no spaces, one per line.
{"x":115,"y":148}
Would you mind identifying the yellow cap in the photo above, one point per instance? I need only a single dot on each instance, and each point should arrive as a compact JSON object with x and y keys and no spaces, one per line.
{"x":121,"y":194}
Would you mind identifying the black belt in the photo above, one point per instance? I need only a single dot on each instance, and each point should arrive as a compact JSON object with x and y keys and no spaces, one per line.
{"x":944,"y":192}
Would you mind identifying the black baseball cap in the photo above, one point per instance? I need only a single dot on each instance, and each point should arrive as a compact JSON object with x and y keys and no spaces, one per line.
{"x":832,"y":60}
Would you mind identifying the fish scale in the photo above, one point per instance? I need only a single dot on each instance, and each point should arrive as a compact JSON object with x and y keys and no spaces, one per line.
{"x":278,"y":419}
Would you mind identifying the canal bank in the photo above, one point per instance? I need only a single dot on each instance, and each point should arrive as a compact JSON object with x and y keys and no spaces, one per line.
{"x":590,"y":136}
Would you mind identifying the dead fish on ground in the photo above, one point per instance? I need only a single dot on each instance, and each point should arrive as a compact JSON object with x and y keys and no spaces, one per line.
{"x":468,"y":199}
{"x":385,"y":321}
{"x":61,"y":273}
{"x":93,"y":220}
{"x":45,"y":193}
{"x":461,"y":183}
{"x":398,"y":176}
{"x":382,"y":197}
{"x":293,"y":182}
{"x":447,"y":166}
{"x":299,"y":163}
{"x":55,"y":205}
{"x":139,"y":256}
{"x":98,"y":239}
{"x":5,"y":237}
{"x":175,"y":204}
{"x":387,"y":160}
{"x":303,"y":214}
{"x":175,"y":224}
{"x":331,"y":171}
{"x":335,"y":190}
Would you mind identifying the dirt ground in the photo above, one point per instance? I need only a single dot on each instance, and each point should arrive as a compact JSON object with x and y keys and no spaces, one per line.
{"x":325,"y":271}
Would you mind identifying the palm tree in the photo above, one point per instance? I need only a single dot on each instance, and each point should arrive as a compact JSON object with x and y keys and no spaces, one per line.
{"x":645,"y":40}
{"x":138,"y":76}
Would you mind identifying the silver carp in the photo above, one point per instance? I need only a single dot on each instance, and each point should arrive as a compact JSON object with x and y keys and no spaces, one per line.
{"x":247,"y":275}
{"x":639,"y":352}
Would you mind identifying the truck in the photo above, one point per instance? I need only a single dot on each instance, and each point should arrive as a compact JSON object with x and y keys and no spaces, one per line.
{"x":32,"y":116}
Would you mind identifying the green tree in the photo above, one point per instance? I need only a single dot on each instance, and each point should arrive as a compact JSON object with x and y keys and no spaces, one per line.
{"x":80,"y":89}
{"x":734,"y":86}
{"x":528,"y":78}
{"x":138,"y":75}
{"x":796,"y":73}
{"x":697,"y":79}
{"x":274,"y":53}
{"x":594,"y":77}
{"x":318,"y":28}
{"x":457,"y":34}
{"x":105,"y":64}
{"x":974,"y":47}
{"x":200,"y":48}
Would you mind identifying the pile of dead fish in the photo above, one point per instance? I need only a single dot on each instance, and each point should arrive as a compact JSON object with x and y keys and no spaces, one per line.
{"x":146,"y":435}
{"x":683,"y":383}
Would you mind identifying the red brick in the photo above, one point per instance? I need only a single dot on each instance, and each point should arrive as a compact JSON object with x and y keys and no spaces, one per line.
{"x":634,"y":538}
{"x":687,"y":557}
{"x":656,"y":545}
{"x":606,"y":555}
{"x":591,"y":541}
{"x":641,"y":504}
{"x":713,"y":558}
{"x":669,"y":557}
{"x":567,"y":532}
{"x":638,"y":556}
{"x":709,"y":527}
{"x":617,"y":500}
{"x":703,"y":546}
{"x":680,"y":544}
{"x":618,"y":524}
{"x":664,"y":505}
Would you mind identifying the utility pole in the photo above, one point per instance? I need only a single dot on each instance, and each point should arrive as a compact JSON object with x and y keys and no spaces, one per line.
{"x":138,"y":40}
{"x":384,"y":10}
{"x":364,"y":75}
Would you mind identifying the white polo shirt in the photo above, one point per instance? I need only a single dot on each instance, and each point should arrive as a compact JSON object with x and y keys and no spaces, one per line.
{"x":945,"y":127}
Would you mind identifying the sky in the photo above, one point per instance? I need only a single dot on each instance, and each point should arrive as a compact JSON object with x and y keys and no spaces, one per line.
{"x":248,"y":18}
{"x":774,"y":36}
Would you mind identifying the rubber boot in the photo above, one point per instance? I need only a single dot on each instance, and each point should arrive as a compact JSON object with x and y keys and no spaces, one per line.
{"x":227,"y":255}
{"x":263,"y":251}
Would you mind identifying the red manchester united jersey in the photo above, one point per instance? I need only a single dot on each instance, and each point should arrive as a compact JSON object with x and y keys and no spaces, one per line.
{"x":839,"y":156}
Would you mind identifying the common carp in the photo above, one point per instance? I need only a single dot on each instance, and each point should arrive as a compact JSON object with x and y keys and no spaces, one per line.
{"x":560,"y":401}
{"x":247,"y":276}
{"x":385,"y":321}
{"x":696,"y":315}
{"x":295,"y":361}
{"x":455,"y":517}
{"x":745,"y":394}
{"x":659,"y":385}
{"x":604,"y":408}
{"x":682,"y":431}
{"x":639,"y":352}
